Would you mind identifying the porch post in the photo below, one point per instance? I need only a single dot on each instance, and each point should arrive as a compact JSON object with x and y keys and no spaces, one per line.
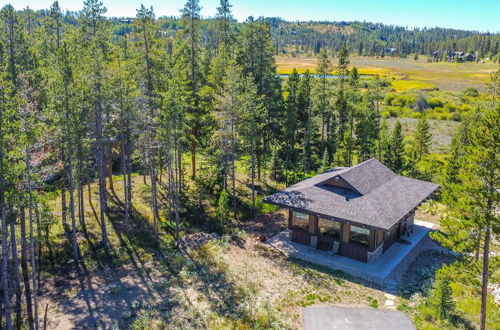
{"x":346,"y":228}
{"x":313,"y":229}
{"x":290,"y":217}
{"x":371,"y":240}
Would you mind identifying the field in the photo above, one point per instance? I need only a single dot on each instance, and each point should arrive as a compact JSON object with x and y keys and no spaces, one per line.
{"x":407,"y":72}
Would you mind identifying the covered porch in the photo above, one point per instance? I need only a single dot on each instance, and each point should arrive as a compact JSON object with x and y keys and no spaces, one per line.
{"x":336,"y":236}
{"x":383,"y":270}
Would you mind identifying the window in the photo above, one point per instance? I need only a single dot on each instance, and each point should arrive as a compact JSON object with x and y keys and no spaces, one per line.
{"x":329,"y":228}
{"x":300,"y":220}
{"x":300,"y":215}
{"x":359,"y":236}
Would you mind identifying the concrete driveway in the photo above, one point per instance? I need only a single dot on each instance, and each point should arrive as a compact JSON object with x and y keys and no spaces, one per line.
{"x":325,"y":318}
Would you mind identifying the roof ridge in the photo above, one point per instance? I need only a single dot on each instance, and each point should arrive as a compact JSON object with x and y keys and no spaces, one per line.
{"x":359,"y":164}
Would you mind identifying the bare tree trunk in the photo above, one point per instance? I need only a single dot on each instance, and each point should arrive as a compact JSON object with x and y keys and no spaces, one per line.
{"x":81,"y":204}
{"x":72,"y":205}
{"x":125,"y":183}
{"x":32,"y":239}
{"x":63,"y":192}
{"x":102,"y":176}
{"x":64,"y":209}
{"x":193,"y":157}
{"x":233,"y":171}
{"x":38,"y":244}
{"x":110,"y":171}
{"x":154,"y":200}
{"x":253,"y":179}
{"x":5,"y":255}
{"x":484,"y":287}
{"x":25,"y":271}
{"x":17,"y":280}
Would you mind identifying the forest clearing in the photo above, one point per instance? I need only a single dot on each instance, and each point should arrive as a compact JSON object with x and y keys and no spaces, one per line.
{"x":147,"y":163}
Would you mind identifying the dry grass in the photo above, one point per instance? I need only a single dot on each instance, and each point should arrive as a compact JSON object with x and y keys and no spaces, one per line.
{"x":442,"y":131}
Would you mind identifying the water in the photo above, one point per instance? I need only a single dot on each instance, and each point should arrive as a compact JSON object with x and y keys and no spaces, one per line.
{"x":330,"y":76}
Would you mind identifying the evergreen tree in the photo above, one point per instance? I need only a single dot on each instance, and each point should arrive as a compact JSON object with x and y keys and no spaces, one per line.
{"x":322,"y":95}
{"x":442,"y":297}
{"x":396,"y":152}
{"x":423,"y":138}
{"x":223,"y":210}
{"x":190,"y":53}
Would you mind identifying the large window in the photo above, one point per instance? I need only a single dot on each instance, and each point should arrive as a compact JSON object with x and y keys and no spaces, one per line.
{"x":359,"y":236}
{"x":300,"y":220}
{"x":329,"y":228}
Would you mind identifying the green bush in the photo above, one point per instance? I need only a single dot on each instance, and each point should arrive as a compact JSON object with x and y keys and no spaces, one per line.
{"x":456,"y":116}
{"x":450,"y":107}
{"x":435,"y":102}
{"x":470,"y":91}
{"x":416,"y":115}
{"x":465,"y":108}
{"x":388,"y":99}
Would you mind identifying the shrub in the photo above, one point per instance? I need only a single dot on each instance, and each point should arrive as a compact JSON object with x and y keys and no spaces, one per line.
{"x":465,"y":108}
{"x":438,"y":110}
{"x":470,"y":91}
{"x":386,"y":114}
{"x":450,"y":107}
{"x":416,"y":115}
{"x":389,"y":98}
{"x":445,"y":116}
{"x":435,"y":102}
{"x":456,"y":116}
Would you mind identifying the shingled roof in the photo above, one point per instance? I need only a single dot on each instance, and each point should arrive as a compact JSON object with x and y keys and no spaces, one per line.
{"x":368,"y":194}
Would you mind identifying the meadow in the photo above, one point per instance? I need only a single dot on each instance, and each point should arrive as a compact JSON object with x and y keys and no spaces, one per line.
{"x":407,"y":73}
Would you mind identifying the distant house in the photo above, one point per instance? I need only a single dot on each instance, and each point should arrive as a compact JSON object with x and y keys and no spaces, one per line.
{"x":461,"y":57}
{"x":126,"y":21}
{"x":390,"y":50}
{"x":357,"y":212}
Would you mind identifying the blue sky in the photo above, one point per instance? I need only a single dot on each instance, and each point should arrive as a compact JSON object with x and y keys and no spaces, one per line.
{"x":482,"y":15}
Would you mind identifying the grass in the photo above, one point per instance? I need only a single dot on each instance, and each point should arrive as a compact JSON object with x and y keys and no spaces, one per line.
{"x":404,"y":85}
{"x":442,"y":131}
{"x":416,"y":74}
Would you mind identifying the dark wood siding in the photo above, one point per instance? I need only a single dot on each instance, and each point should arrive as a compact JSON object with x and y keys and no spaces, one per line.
{"x":354,"y":251}
{"x":301,"y":236}
{"x":390,"y":240}
{"x":325,"y":243}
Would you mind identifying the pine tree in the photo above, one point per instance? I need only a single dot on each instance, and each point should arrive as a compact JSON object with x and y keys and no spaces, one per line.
{"x":442,"y":297}
{"x":472,"y":218}
{"x":322,"y":92}
{"x":325,"y":162}
{"x":93,"y":32}
{"x":342,"y":99}
{"x":396,"y":160}
{"x":223,"y":210}
{"x":146,"y":31}
{"x":290,"y":122}
{"x":191,"y":52}
{"x":423,"y":138}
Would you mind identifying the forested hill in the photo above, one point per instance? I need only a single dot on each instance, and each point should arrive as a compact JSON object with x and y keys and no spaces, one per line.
{"x":362,"y":38}
{"x":375,"y":39}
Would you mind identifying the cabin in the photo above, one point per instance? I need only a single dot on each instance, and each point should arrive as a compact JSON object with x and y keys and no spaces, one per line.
{"x":356,"y":212}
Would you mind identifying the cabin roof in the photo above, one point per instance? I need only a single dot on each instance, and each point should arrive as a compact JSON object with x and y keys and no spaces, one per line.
{"x":370,"y":194}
